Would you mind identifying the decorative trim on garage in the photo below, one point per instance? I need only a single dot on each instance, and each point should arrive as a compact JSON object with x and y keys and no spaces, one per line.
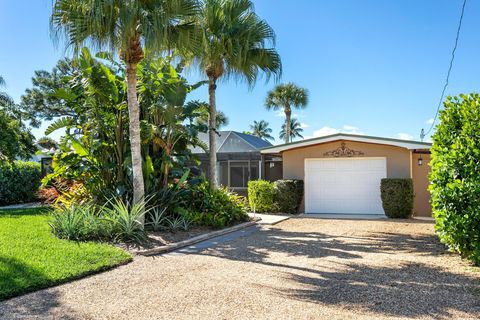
{"x":343,"y":151}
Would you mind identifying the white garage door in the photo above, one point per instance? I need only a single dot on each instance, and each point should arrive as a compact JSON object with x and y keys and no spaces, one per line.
{"x":344,"y":185}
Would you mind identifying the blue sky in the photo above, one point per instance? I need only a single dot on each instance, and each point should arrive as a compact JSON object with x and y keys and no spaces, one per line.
{"x":374,"y":66}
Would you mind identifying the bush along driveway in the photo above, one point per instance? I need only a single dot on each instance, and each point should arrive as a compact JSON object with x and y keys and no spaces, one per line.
{"x":31,"y":258}
{"x":298,"y":269}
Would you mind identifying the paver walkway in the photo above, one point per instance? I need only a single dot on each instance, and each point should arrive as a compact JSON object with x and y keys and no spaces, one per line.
{"x":297,"y":269}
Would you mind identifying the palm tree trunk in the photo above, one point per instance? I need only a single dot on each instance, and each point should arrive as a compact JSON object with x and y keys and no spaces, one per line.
{"x":288,"y":120}
{"x":212,"y":134}
{"x":134,"y":129}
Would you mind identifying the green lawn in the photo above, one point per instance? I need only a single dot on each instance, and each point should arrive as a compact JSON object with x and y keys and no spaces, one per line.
{"x":31,"y":258}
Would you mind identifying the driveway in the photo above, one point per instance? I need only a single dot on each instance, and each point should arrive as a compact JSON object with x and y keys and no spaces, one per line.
{"x":298,"y":269}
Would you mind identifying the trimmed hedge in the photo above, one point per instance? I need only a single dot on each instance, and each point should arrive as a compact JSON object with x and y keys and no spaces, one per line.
{"x":261,"y":195}
{"x":283,"y":196}
{"x":288,"y":195}
{"x":455,"y":176}
{"x":19,"y":182}
{"x":397,"y":197}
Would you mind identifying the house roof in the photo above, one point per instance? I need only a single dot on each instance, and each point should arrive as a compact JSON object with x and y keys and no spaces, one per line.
{"x":232,"y":141}
{"x":407,"y":144}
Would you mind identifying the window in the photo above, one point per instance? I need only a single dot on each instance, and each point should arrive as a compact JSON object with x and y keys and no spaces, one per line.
{"x":236,"y":174}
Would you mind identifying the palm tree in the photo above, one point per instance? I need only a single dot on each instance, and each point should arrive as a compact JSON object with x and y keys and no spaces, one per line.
{"x":236,"y":44}
{"x":5,"y":99}
{"x":295,"y":130}
{"x":286,"y":97}
{"x":129,"y":29}
{"x":261,"y":130}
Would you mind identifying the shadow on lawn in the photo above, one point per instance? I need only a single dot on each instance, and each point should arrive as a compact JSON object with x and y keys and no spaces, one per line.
{"x":13,"y":279}
{"x":411,"y":289}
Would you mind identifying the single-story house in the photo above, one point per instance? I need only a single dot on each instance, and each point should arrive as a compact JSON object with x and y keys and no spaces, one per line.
{"x":239,"y":160}
{"x":342,"y":172}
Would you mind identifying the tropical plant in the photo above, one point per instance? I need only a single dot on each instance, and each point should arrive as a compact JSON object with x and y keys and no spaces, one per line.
{"x":295,"y":130}
{"x":286,"y":97}
{"x":71,"y":223}
{"x":455,"y":178}
{"x":261,"y":129}
{"x":126,"y":220}
{"x":235,"y":44}
{"x":157,"y":218}
{"x":19,"y":182}
{"x":127,"y":28}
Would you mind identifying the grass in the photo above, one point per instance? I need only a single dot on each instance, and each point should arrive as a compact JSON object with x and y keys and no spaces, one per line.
{"x":31,"y":258}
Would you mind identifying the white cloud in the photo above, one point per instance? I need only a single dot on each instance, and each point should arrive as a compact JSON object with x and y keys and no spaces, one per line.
{"x":430,"y":121}
{"x":304,"y":125}
{"x":325,"y":131}
{"x":404,"y":136}
{"x":279,"y":113}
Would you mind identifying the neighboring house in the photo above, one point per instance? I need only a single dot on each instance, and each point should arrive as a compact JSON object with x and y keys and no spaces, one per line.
{"x":239,"y":160}
{"x":342,"y":172}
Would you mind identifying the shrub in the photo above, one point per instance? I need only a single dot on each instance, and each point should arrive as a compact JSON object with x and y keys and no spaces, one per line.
{"x":455,"y":176}
{"x":213,"y":208}
{"x":397,"y":197}
{"x":116,"y":221}
{"x":19,"y":182}
{"x":261,"y":196}
{"x":288,"y":195}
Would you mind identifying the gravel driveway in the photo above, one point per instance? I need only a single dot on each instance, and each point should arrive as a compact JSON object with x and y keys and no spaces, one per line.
{"x":299,"y":269}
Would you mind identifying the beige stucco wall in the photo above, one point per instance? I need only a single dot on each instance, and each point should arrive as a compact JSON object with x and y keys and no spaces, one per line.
{"x":398,"y":159}
{"x":421,"y":205}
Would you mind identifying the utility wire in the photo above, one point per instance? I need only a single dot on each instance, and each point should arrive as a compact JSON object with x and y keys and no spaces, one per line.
{"x":423,"y":134}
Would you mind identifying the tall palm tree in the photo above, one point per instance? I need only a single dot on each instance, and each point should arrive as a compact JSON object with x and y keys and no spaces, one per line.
{"x":295,"y":130}
{"x":127,"y":28}
{"x":5,"y":99}
{"x":286,"y":97}
{"x":261,"y":129}
{"x":238,"y":44}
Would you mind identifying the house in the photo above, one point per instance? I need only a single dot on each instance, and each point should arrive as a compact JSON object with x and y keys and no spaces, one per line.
{"x":239,"y":160}
{"x":342,"y":172}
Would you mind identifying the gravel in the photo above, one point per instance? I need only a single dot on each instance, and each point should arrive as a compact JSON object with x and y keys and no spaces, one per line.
{"x":298,"y":269}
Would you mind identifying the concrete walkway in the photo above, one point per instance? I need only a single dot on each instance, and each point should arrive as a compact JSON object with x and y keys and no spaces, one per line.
{"x":343,"y":216}
{"x":269,"y":219}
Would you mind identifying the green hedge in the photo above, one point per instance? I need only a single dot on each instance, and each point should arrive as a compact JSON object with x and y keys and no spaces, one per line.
{"x":455,"y":176}
{"x":260,"y":196}
{"x":397,"y":197}
{"x":19,"y":182}
{"x":288,"y":195}
{"x":283,"y":196}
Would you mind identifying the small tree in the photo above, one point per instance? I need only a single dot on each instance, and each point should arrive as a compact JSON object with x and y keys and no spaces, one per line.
{"x":455,"y":175}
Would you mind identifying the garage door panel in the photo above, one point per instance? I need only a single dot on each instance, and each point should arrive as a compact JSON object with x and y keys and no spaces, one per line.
{"x":344,"y":185}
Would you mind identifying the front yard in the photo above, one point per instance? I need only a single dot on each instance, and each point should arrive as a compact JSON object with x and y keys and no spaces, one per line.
{"x":298,"y":269}
{"x":32,"y":258}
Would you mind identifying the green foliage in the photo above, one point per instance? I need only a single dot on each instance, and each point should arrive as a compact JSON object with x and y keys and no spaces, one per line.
{"x":397,"y":197}
{"x":214,"y":208}
{"x":288,"y":195}
{"x":157,"y":219}
{"x":125,"y":221}
{"x":455,"y":175}
{"x":261,"y":129}
{"x":116,"y":221}
{"x":295,"y":130}
{"x":32,"y":259}
{"x":19,"y":182}
{"x":261,"y":196}
{"x":16,"y":141}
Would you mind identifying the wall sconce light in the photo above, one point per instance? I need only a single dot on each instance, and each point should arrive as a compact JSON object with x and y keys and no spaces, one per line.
{"x":420,"y":161}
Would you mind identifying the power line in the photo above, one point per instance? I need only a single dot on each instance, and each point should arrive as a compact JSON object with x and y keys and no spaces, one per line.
{"x":423,"y":134}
